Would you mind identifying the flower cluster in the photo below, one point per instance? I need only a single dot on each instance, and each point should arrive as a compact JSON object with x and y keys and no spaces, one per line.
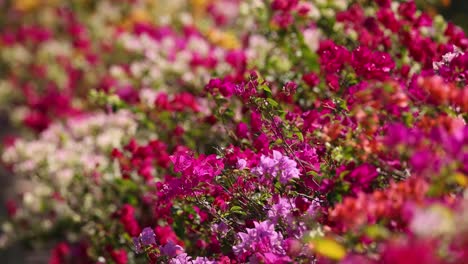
{"x":265,"y":241}
{"x":235,"y":131}
{"x":169,"y":57}
{"x":278,"y":165}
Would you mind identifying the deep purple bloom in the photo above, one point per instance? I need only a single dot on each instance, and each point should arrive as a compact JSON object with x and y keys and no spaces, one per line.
{"x":146,"y":238}
{"x":171,"y":249}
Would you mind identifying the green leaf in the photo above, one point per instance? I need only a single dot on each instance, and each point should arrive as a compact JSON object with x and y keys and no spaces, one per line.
{"x":237,"y":210}
{"x":266,"y":88}
{"x":300,"y":136}
{"x":272,"y":102}
{"x":377,"y":232}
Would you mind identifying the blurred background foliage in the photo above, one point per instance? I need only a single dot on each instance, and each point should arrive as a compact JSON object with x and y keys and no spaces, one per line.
{"x":455,"y":11}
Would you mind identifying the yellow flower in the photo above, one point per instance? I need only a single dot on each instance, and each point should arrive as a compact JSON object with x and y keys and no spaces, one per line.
{"x":30,"y":5}
{"x":137,"y":15}
{"x":224,"y":39}
{"x":328,"y":248}
{"x":26,"y":5}
{"x":461,"y":179}
{"x":199,"y":7}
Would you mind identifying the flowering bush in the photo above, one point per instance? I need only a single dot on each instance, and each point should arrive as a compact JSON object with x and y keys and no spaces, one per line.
{"x":237,"y":132}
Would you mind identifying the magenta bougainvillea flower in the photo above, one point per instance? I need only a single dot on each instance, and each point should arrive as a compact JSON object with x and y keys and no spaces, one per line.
{"x":234,"y":131}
